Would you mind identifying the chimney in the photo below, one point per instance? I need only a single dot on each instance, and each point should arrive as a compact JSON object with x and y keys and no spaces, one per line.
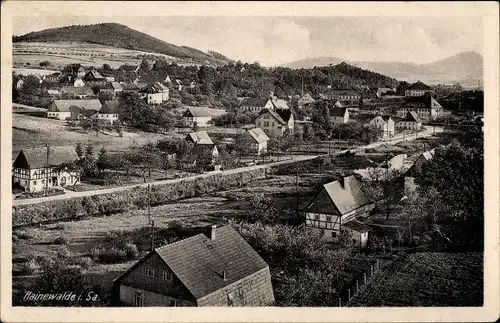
{"x":345,"y":183}
{"x":224,"y":274}
{"x":212,"y":232}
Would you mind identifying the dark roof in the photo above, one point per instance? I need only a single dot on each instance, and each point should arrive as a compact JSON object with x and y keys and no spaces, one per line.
{"x":114,"y":86}
{"x":37,"y":157}
{"x":349,"y":92}
{"x":93,"y":75}
{"x":131,"y":68}
{"x":130,"y":87}
{"x":200,"y":138}
{"x":386,"y":117}
{"x":273,"y":114}
{"x":151,"y":78}
{"x":64,"y":105}
{"x":411,"y":116}
{"x":199,"y":261}
{"x":285,"y":114}
{"x":75,"y":90}
{"x":336,"y":111}
{"x":419,"y":86}
{"x":109,"y":107}
{"x":82,"y":111}
{"x":203,"y":112}
{"x":254,"y":102}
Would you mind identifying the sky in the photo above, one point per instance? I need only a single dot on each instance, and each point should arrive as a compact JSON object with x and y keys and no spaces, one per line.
{"x":276,"y":40}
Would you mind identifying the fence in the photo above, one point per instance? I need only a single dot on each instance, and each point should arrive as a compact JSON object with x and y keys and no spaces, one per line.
{"x":359,"y":281}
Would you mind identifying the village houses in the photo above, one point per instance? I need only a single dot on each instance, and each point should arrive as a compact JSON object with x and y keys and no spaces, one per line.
{"x":93,"y":78}
{"x":385,"y":124}
{"x":336,"y":205}
{"x":113,"y":88}
{"x":255,"y":104}
{"x":65,"y":109}
{"x":417,"y":89}
{"x":260,"y":138}
{"x":217,"y":268}
{"x":348,"y":95}
{"x":410,"y":122}
{"x":409,"y":176}
{"x":276,"y":123}
{"x":36,"y":169}
{"x":201,"y":116}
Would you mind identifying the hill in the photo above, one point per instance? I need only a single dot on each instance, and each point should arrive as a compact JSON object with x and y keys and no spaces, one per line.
{"x":120,"y":36}
{"x":465,"y":67}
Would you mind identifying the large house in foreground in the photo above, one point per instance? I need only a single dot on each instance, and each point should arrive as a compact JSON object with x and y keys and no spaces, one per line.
{"x":214,"y":269}
{"x":36,"y":169}
{"x":338,"y":115}
{"x":410,"y":122}
{"x":336,"y":205}
{"x":155,"y":93}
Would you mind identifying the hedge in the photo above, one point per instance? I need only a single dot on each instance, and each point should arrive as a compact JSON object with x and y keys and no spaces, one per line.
{"x":134,"y":198}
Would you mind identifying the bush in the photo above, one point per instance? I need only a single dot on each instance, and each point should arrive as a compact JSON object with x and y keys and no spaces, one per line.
{"x":85,"y":262}
{"x":24,"y":235}
{"x":130,"y":250}
{"x":63,"y":252}
{"x":30,"y":267}
{"x":60,"y":240}
{"x":111,"y":255}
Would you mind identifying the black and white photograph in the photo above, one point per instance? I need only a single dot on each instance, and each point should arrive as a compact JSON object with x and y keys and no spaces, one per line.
{"x":260,"y":159}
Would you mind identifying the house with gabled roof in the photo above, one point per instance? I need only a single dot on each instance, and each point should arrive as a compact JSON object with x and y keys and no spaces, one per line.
{"x":338,"y":115}
{"x":348,"y":95}
{"x":305,"y":100}
{"x":275,"y":123}
{"x":335,"y":205}
{"x":203,"y":116}
{"x":260,"y":140}
{"x":145,"y":80}
{"x":409,"y":176}
{"x":385,"y":123}
{"x":109,"y":112}
{"x":255,"y":105}
{"x":426,"y":107}
{"x":202,"y":140}
{"x":78,"y":92}
{"x":155,"y":93}
{"x":70,"y":109}
{"x":418,"y":89}
{"x":218,"y":268}
{"x":410,"y":122}
{"x":94,"y":78}
{"x":36,"y":169}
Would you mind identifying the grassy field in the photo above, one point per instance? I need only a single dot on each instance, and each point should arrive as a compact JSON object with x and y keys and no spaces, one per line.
{"x":426,"y":279}
{"x":60,"y":54}
{"x":29,"y":131}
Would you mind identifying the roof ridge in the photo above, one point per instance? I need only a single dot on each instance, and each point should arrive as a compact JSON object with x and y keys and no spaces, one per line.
{"x":176,"y":242}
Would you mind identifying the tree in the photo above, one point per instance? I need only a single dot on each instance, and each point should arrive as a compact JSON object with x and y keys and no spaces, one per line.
{"x":106,"y":67}
{"x":243,"y":145}
{"x":45,"y":64}
{"x":79,"y":150}
{"x":102,"y":160}
{"x":204,"y":157}
{"x":195,"y":126}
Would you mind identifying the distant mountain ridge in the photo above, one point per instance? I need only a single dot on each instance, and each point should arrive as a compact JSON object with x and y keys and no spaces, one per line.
{"x":117,"y":35}
{"x":463,"y":67}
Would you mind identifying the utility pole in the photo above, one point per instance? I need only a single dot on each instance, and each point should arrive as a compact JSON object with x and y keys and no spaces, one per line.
{"x":296,"y":192}
{"x":302,"y":92}
{"x":46,"y":186}
{"x":386,"y":187}
{"x":152,"y":235}
{"x":149,"y":204}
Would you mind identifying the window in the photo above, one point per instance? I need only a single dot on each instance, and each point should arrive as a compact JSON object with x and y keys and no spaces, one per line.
{"x":148,"y":271}
{"x":34,"y":182}
{"x":43,"y":182}
{"x":266,"y":116}
{"x":266,"y":124}
{"x":272,"y":124}
{"x":334,"y":234}
{"x":138,"y":299}
{"x":230,"y":299}
{"x":316,"y":217}
{"x":167,"y":275}
{"x":328,"y":218}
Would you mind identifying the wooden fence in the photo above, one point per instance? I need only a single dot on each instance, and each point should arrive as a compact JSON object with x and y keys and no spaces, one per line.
{"x":351,"y":289}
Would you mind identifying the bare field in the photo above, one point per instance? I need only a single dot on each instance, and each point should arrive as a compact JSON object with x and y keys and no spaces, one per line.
{"x":60,"y":54}
{"x":29,"y":131}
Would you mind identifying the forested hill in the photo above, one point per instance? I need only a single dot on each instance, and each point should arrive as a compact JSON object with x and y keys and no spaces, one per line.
{"x":117,"y":35}
{"x":238,"y":79}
